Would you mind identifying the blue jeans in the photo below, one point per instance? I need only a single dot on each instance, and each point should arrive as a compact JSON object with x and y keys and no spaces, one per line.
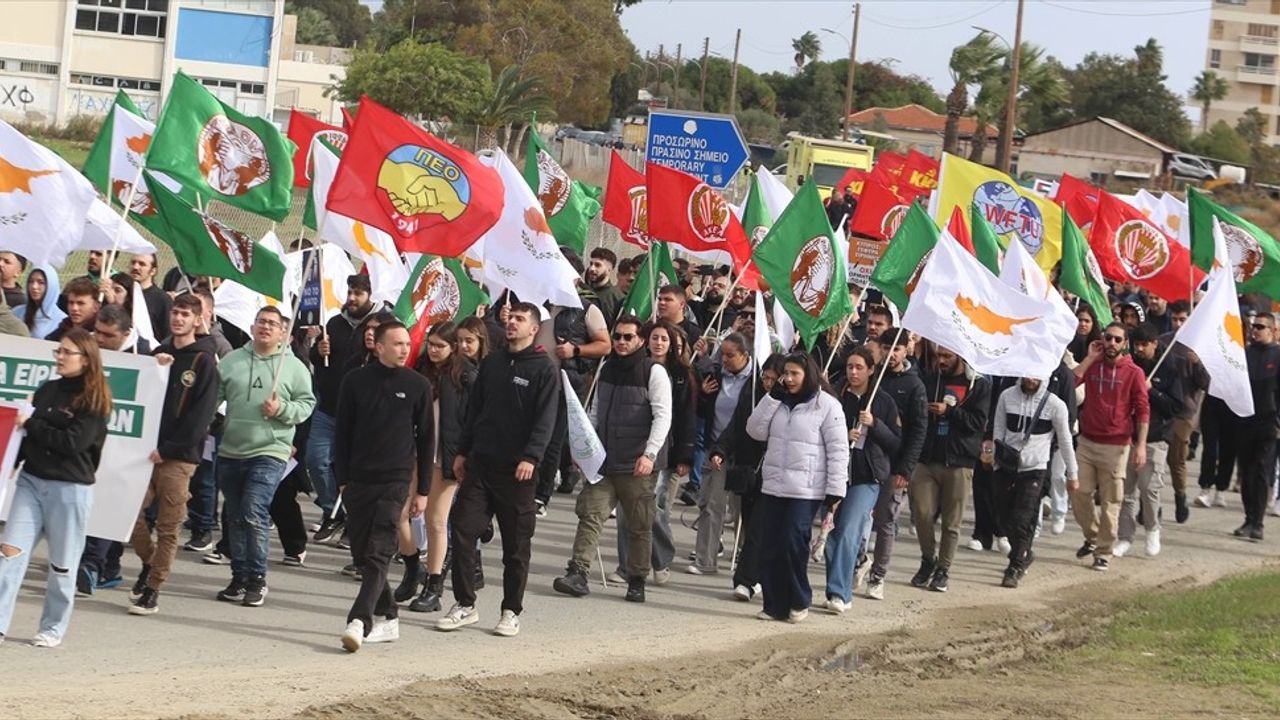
{"x":202,"y":508}
{"x":700,"y":443}
{"x":320,"y":461}
{"x":57,"y":511}
{"x":853,"y":524}
{"x":247,"y":489}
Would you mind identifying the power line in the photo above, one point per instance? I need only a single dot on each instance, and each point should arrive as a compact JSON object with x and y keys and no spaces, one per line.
{"x":949,"y":23}
{"x":1162,"y":13}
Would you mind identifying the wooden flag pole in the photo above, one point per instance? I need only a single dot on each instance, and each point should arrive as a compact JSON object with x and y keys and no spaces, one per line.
{"x":884,"y":365}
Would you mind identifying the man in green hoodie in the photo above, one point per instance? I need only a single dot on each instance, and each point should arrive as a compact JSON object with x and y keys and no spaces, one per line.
{"x":268,"y":393}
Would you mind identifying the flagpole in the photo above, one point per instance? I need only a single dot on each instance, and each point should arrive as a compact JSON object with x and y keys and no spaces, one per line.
{"x":653,"y":281}
{"x":844,"y":328}
{"x":724,"y":302}
{"x":1151,"y":375}
{"x":297,"y":301}
{"x":115,"y":242}
{"x":884,"y":365}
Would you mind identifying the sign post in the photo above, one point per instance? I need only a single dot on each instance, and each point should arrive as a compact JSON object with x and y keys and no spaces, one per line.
{"x":706,"y":145}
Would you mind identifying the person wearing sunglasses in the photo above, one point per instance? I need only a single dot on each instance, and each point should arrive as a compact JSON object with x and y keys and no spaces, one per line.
{"x":1256,"y":435}
{"x":1113,"y":434}
{"x":631,"y":413}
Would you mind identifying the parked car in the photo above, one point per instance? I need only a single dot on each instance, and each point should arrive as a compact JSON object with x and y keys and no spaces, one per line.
{"x":567,"y":132}
{"x":594,"y":137}
{"x":1190,"y":166}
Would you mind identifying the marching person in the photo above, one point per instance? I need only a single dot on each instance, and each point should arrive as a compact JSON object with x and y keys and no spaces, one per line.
{"x":1257,"y":433}
{"x":1195,"y":381}
{"x":631,"y":413}
{"x":875,"y":436}
{"x":256,"y":444}
{"x":54,"y":490}
{"x":1027,"y":418}
{"x":82,"y":308}
{"x":806,"y":467}
{"x":190,"y":401}
{"x":375,"y":470}
{"x":511,"y":416}
{"x":960,"y":401}
{"x":142,"y":268}
{"x":1113,"y":423}
{"x":1166,"y":396}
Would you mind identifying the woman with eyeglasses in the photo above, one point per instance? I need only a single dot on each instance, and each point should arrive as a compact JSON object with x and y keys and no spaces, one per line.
{"x":54,"y":493}
{"x":806,"y":467}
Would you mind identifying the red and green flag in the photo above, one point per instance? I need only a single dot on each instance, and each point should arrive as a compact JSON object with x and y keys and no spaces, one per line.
{"x":1080,"y":274}
{"x":568,"y":204}
{"x":801,"y":262}
{"x":898,"y":270}
{"x":438,"y":291}
{"x":656,"y":270}
{"x":1253,"y":252}
{"x":986,"y":244}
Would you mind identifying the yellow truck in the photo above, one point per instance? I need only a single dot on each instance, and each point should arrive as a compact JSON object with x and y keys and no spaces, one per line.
{"x":826,"y":161}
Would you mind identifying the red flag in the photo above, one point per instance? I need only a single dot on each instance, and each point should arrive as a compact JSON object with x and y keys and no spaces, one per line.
{"x":1079,"y":199}
{"x":1131,"y":249}
{"x":686,"y":211}
{"x":880,"y":210}
{"x":959,"y":230}
{"x":348,"y":120}
{"x":889,"y":165}
{"x":430,"y":196}
{"x":854,"y":179}
{"x":920,"y":172}
{"x":302,"y":129}
{"x":625,"y":203}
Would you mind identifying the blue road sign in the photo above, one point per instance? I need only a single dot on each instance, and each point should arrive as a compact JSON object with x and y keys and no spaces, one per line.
{"x":705,"y":145}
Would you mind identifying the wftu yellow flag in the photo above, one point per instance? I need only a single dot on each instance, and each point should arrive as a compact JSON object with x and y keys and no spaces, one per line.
{"x":1009,"y":208}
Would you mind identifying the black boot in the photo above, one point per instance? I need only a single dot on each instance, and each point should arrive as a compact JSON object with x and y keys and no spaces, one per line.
{"x":479,"y":583}
{"x":429,"y":600}
{"x":414,"y":575}
{"x":573,"y":583}
{"x":635,"y":590}
{"x":1180,"y":510}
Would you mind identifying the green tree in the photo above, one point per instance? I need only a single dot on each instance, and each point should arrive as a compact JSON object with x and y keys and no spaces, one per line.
{"x":1252,"y":126}
{"x":754,"y":91}
{"x":1222,"y":143}
{"x":1210,"y":87}
{"x":971,"y":64}
{"x":314,"y":27}
{"x":759,"y":126}
{"x":1037,"y":112}
{"x":418,"y":80}
{"x":808,"y":47}
{"x":1036,"y":78}
{"x":513,"y":101}
{"x":1116,"y":87}
{"x":620,"y":5}
{"x":350,"y":19}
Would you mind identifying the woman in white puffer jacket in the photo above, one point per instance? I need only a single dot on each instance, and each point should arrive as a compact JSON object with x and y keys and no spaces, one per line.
{"x":806,"y":466}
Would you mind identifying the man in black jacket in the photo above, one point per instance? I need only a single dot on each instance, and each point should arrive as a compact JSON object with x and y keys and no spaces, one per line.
{"x":511,"y":416}
{"x":328,"y":361}
{"x":190,"y":401}
{"x":142,"y":268}
{"x":1256,"y":434}
{"x":374,"y":471}
{"x":960,"y":401}
{"x":1142,"y":485}
{"x":902,"y":383}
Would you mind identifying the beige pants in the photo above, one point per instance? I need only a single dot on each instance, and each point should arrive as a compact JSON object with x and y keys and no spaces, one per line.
{"x":169,"y":489}
{"x":938,"y":491}
{"x":1102,"y":470}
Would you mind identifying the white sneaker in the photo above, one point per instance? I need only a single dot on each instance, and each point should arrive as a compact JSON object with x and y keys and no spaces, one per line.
{"x":796,"y":616}
{"x":661,"y":577}
{"x":860,"y":573}
{"x":1153,"y":543}
{"x":384,"y":630}
{"x":836,"y":605}
{"x":1203,"y":499}
{"x":695,"y":570}
{"x":353,"y":636}
{"x":975,"y":545}
{"x":1002,"y":544}
{"x":508,"y":625}
{"x":742,"y":593}
{"x":1275,"y":509}
{"x":458,"y":616}
{"x":1059,"y":525}
{"x":762,"y":615}
{"x":1121,"y":548}
{"x":875,"y":589}
{"x":616,"y":578}
{"x":1219,"y":500}
{"x":46,"y":640}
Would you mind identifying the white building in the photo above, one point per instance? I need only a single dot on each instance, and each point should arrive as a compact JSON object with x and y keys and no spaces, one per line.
{"x":62,"y":58}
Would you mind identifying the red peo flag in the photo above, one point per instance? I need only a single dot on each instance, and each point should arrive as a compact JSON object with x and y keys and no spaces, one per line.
{"x":1131,"y":249}
{"x":686,"y":211}
{"x":302,"y":129}
{"x":430,"y":196}
{"x":853,"y":179}
{"x":1079,"y":199}
{"x":626,"y":206}
{"x":959,"y":229}
{"x":880,"y":210}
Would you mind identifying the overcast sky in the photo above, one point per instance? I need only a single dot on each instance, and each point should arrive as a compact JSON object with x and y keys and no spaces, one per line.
{"x":917,"y":36}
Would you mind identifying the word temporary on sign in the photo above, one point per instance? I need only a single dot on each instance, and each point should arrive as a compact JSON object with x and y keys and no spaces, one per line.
{"x":709,"y":147}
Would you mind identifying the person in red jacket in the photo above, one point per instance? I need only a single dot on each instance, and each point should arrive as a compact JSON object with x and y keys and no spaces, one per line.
{"x":1115,"y":405}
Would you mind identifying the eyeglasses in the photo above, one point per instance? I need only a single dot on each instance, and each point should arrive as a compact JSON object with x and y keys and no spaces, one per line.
{"x":61,"y":352}
{"x":1114,"y":339}
{"x":267,"y":323}
{"x":1260,"y":326}
{"x":624,"y":337}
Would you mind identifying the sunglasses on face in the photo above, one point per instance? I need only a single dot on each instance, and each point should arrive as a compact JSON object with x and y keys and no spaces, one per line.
{"x":1260,"y":326}
{"x":624,"y":337}
{"x":1114,"y":339}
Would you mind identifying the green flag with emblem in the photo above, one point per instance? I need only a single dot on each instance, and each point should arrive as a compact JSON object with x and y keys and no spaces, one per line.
{"x":567,"y":203}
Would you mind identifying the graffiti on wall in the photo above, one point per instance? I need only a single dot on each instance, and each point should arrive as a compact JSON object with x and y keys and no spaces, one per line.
{"x":16,"y":96}
{"x":96,"y":103}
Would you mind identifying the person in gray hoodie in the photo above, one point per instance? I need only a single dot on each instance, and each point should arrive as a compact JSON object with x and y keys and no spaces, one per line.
{"x":1027,"y":418}
{"x":806,"y":466}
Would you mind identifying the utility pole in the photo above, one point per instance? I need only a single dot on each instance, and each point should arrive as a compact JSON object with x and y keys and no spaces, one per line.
{"x":848,"y":80}
{"x":733,"y":79}
{"x":1004,"y":157}
{"x":675,"y":93}
{"x":702,"y":92}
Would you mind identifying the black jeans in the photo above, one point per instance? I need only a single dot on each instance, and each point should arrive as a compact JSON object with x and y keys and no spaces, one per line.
{"x":747,"y":571}
{"x":784,"y":556}
{"x":1257,"y":445}
{"x":1218,"y":428}
{"x":485,"y":493}
{"x":373,"y":515}
{"x":287,"y":515}
{"x":1017,"y":502}
{"x":102,"y":556}
{"x":986,"y":517}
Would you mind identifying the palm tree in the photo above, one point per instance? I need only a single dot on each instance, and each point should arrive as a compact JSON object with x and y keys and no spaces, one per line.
{"x":1209,"y":87}
{"x":1037,"y":78}
{"x":808,"y":47}
{"x":514,"y":100}
{"x":971,"y":64}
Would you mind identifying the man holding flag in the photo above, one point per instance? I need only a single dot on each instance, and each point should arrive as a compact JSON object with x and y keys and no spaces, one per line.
{"x":1256,"y":433}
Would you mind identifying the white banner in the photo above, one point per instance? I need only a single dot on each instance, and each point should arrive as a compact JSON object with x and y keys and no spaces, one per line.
{"x":137,"y":397}
{"x":584,"y":443}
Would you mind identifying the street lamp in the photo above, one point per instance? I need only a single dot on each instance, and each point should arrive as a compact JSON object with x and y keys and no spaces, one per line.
{"x":848,"y":79}
{"x":1004,"y":154}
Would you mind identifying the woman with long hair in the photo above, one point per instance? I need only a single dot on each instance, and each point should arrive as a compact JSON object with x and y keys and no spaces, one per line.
{"x":120,"y":291}
{"x":1087,"y":330}
{"x":40,"y":313}
{"x":451,"y":375}
{"x":473,"y":339}
{"x":54,"y":492}
{"x":806,"y":466}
